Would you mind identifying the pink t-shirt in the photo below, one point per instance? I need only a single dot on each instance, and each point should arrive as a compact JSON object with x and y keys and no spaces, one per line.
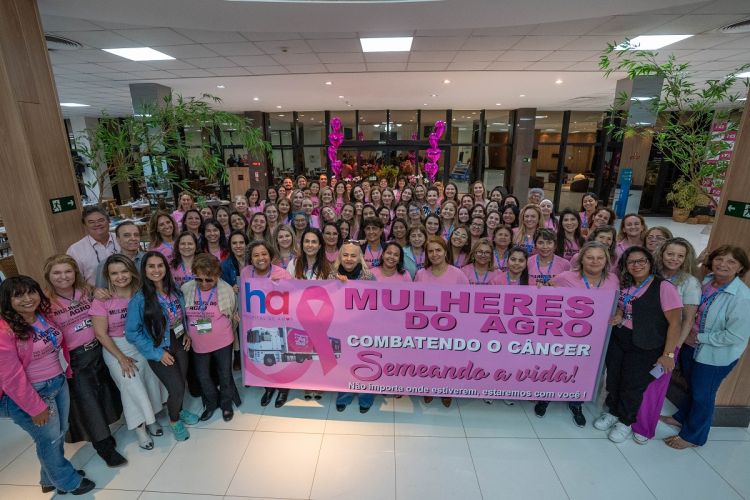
{"x":221,"y":333}
{"x":331,"y":256}
{"x":115,"y":310}
{"x":451,"y":276}
{"x":528,"y":242}
{"x":459,"y":260}
{"x":74,"y":319}
{"x":476,"y":278}
{"x":166,"y":249}
{"x":546,"y":272}
{"x":668,"y":294}
{"x":182,"y":274}
{"x":573,"y":279}
{"x":379,"y":276}
{"x":550,"y":224}
{"x":504,"y":278}
{"x":45,"y":357}
{"x":570,"y":249}
{"x":177,"y":215}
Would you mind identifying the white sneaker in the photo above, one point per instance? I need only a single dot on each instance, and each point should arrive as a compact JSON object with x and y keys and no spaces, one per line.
{"x":619,"y":432}
{"x":640,"y":439}
{"x":605,"y":421}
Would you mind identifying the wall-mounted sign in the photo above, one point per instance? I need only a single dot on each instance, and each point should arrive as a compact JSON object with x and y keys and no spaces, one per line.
{"x":738,"y":209}
{"x":64,"y":204}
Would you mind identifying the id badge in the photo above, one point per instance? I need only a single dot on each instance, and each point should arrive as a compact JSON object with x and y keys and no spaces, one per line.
{"x":203,"y":326}
{"x":178,"y":330}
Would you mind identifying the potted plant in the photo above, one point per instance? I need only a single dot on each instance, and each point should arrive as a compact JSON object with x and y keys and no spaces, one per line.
{"x":153,"y":144}
{"x":389,"y":172}
{"x":685,"y":109}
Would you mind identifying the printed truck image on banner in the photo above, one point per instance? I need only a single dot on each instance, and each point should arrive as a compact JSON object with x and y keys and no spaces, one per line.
{"x":495,"y":342}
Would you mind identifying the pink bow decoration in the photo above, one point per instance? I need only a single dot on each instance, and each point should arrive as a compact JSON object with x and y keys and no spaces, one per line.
{"x":434,"y":152}
{"x":336,"y":138}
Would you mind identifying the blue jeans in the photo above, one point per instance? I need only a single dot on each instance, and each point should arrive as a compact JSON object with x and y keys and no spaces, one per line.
{"x":697,"y":411}
{"x":49,"y":439}
{"x":365,"y":400}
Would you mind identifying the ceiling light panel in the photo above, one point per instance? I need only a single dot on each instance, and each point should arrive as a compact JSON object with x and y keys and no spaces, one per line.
{"x":391,"y":44}
{"x":651,"y":42}
{"x":140,"y":54}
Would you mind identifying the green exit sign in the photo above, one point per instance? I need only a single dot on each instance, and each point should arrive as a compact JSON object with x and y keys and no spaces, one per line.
{"x":64,"y":204}
{"x":738,"y":209}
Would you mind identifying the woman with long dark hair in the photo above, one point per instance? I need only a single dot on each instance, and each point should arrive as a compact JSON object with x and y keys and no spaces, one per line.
{"x":213,"y":239}
{"x":569,"y":239}
{"x":33,"y":390}
{"x":182,"y":260}
{"x":156,"y":325}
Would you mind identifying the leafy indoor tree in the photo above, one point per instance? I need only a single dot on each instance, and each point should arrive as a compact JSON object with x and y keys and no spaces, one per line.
{"x":151,"y":145}
{"x":685,"y":111}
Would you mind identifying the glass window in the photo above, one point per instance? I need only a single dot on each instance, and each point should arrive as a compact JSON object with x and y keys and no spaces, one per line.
{"x":281,"y":128}
{"x":372,"y":126}
{"x":347,"y":124}
{"x":584,"y":126}
{"x":496,"y":165}
{"x":315,"y":159}
{"x":548,"y":125}
{"x":428,"y":119}
{"x":311,"y":127}
{"x":283,"y":162}
{"x":464,"y":126}
{"x":497,"y":129}
{"x":404,"y":124}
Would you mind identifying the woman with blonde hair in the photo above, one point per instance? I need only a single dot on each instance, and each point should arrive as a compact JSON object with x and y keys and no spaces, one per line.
{"x":93,"y":396}
{"x":284,"y":245}
{"x":632,"y":231}
{"x":530,"y":221}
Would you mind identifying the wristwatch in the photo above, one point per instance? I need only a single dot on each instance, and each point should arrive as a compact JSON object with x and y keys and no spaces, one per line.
{"x":670,"y":355}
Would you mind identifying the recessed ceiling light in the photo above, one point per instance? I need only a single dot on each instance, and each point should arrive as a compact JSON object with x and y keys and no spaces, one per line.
{"x":220,"y":87}
{"x":398,"y":124}
{"x":349,"y":105}
{"x":278,"y":107}
{"x":256,"y":98}
{"x":281,"y":115}
{"x":651,"y":42}
{"x":446,"y":81}
{"x":539,"y":117}
{"x":390,"y":44}
{"x":341,"y":97}
{"x":425,"y":104}
{"x":74,"y":105}
{"x":140,"y":54}
{"x":497,"y":104}
{"x":329,"y":83}
{"x":376,"y":125}
{"x":746,"y":74}
{"x":559,"y":81}
{"x":473,"y":112}
{"x":433,"y":95}
{"x":642,"y":98}
{"x":522,"y":95}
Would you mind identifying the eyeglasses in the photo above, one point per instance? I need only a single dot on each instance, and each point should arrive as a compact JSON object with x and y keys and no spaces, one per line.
{"x":204,"y":280}
{"x":484,"y":252}
{"x":654,"y":237}
{"x":637,"y":262}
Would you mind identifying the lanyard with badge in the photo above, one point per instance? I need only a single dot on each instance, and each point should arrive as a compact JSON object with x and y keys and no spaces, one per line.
{"x":628,"y":297}
{"x":548,"y":276}
{"x":588,"y":285}
{"x":375,"y":257}
{"x":203,"y":324}
{"x":177,"y":327}
{"x":484,"y":279}
{"x":501,"y":264}
{"x":706,"y":301}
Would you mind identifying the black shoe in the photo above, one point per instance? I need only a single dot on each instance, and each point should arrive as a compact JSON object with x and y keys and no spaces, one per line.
{"x":362,"y":409}
{"x":115,"y":459}
{"x":207,"y":414}
{"x":47,"y":489}
{"x":540,"y":408}
{"x":85,"y":486}
{"x":267,"y":397}
{"x":340,"y":408}
{"x":281,"y":399}
{"x":227,"y":415}
{"x":578,"y":417}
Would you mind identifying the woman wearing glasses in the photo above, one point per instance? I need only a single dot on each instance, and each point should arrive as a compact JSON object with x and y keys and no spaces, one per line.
{"x":655,"y":236}
{"x":210,"y":308}
{"x":646,"y":333}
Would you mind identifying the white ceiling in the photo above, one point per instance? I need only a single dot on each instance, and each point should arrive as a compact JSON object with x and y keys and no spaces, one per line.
{"x":486,"y":65}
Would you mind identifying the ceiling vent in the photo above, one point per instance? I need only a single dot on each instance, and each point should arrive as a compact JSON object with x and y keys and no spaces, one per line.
{"x":55,"y":42}
{"x":740,"y":27}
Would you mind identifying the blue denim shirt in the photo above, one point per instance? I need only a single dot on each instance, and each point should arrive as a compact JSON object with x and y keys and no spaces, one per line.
{"x":139,"y":336}
{"x":228,"y":272}
{"x":727,"y":329}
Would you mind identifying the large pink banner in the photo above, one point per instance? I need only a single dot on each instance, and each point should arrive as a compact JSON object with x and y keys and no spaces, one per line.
{"x":493,"y":342}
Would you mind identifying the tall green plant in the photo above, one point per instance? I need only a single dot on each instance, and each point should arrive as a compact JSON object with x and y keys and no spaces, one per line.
{"x":118,"y":148}
{"x":684,"y":139}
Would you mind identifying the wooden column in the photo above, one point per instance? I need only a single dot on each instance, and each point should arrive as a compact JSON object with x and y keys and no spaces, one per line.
{"x":523,"y":149}
{"x":35,"y":162}
{"x":733,"y":400}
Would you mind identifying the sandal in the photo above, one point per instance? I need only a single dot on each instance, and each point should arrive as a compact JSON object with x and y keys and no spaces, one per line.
{"x":155,"y":429}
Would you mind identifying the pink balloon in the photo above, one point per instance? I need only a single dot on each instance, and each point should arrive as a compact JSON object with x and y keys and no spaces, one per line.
{"x":336,"y":167}
{"x":433,"y":155}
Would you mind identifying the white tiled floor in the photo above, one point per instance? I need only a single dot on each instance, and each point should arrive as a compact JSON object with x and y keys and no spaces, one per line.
{"x":401,"y":449}
{"x":404,"y":449}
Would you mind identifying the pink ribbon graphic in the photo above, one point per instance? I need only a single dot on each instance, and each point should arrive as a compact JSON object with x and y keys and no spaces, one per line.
{"x":317,"y":325}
